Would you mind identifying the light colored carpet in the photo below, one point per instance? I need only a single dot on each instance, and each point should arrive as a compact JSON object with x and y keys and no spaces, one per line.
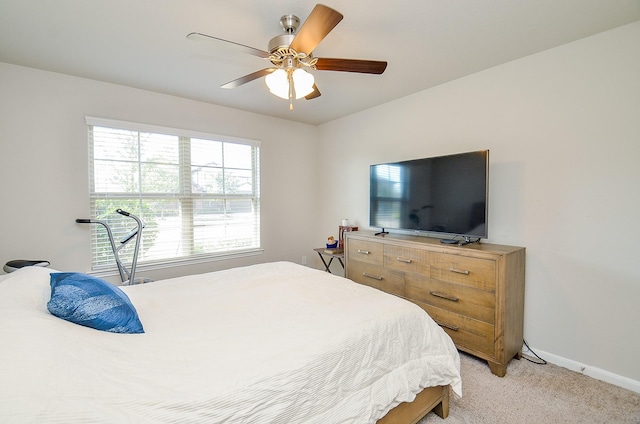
{"x":532,"y":393}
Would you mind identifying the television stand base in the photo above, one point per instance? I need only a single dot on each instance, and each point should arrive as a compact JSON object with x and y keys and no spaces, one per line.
{"x":383,"y":232}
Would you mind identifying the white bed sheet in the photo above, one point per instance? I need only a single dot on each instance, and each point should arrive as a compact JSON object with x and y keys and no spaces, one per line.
{"x":270,"y":343}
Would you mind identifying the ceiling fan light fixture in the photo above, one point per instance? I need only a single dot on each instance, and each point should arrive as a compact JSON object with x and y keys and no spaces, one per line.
{"x":278,"y":83}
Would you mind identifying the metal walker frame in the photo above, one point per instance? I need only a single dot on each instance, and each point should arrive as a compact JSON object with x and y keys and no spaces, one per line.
{"x":127,"y":276}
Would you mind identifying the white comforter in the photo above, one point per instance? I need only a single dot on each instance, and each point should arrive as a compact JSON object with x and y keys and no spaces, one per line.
{"x":271,"y":343}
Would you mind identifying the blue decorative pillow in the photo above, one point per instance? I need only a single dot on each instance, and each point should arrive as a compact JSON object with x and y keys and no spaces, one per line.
{"x":92,"y":302}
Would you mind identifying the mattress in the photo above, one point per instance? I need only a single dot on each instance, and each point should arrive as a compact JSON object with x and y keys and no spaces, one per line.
{"x":269,"y":343}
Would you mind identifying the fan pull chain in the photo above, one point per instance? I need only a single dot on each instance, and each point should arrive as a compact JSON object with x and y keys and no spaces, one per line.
{"x":291,"y":92}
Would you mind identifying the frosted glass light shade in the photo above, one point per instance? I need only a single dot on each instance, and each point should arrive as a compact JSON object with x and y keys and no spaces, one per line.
{"x":278,"y":83}
{"x":302,"y":82}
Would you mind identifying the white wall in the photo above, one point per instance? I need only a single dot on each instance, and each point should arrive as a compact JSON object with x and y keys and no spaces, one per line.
{"x":563,"y":129}
{"x":43,"y":166}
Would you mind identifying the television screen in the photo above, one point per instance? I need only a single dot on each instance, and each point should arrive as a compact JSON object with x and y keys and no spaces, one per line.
{"x":444,"y":194}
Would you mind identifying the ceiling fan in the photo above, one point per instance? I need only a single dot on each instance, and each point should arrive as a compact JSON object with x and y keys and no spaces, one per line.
{"x":291,"y":53}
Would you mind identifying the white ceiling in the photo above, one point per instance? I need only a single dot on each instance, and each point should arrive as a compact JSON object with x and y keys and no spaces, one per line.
{"x":142,"y":43}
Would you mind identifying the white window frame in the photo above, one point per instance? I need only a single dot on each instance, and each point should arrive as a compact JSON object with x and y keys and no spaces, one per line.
{"x":182,"y":197}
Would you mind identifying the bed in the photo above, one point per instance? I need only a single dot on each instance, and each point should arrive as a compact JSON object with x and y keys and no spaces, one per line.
{"x":268,"y":343}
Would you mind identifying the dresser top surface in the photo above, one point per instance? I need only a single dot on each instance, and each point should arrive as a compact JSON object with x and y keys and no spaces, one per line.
{"x":431,"y":242}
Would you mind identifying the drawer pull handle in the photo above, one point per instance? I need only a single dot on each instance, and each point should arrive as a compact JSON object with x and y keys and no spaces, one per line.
{"x":364,"y":252}
{"x":459,"y":271}
{"x":406,"y":261}
{"x":375,"y":277}
{"x":444,"y":296}
{"x":449,"y":326}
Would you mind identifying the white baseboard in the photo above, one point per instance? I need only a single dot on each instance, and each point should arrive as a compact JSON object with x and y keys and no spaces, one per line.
{"x":594,"y":372}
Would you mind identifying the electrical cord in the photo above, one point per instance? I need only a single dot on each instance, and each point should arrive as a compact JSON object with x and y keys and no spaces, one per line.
{"x":467,"y":240}
{"x":541,"y":362}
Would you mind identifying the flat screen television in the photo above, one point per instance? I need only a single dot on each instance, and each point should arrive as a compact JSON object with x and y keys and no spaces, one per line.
{"x":444,"y":195}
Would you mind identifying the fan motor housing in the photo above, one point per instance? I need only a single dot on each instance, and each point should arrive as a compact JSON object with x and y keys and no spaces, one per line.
{"x":279,"y":41}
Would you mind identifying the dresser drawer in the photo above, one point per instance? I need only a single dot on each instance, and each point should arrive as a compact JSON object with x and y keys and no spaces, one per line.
{"x":406,"y":259}
{"x":467,"y":333}
{"x":364,"y":251}
{"x":376,"y":276}
{"x":474,"y":303}
{"x":472,"y":272}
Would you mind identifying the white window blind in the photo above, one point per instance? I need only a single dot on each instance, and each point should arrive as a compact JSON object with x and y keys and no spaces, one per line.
{"x":197,"y":194}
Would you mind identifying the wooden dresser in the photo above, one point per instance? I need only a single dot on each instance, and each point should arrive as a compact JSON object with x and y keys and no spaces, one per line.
{"x":475,"y":292}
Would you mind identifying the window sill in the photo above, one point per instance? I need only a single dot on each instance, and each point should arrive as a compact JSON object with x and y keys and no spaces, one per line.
{"x":153,"y":266}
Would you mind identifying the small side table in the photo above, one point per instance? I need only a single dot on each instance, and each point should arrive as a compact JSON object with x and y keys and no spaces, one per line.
{"x":331,"y":256}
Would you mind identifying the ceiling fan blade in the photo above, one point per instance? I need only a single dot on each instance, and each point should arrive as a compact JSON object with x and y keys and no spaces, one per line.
{"x":197,"y":36}
{"x":248,"y":78}
{"x":351,"y":65}
{"x":315,"y":93}
{"x":319,"y":23}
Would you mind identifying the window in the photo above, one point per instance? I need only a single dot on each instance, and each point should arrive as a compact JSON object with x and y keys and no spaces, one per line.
{"x":198,"y":195}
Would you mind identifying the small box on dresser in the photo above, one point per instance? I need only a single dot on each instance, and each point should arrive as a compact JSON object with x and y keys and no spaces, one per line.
{"x":475,"y":292}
